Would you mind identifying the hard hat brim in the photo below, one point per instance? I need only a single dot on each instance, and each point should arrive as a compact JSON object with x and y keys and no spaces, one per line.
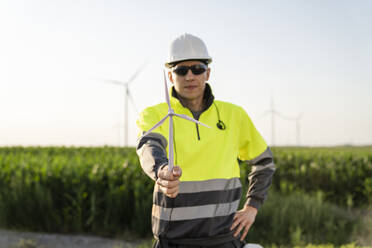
{"x":172,"y":63}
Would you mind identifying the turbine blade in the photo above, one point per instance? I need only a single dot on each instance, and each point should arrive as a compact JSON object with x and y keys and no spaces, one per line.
{"x":191,"y":119}
{"x":129,"y":95}
{"x":112,"y":81}
{"x":155,"y":126}
{"x":170,"y":142}
{"x":166,"y":90}
{"x":136,"y":73}
{"x":266,"y":113}
{"x":284,"y":117}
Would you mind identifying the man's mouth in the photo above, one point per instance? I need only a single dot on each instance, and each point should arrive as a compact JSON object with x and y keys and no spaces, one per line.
{"x":190,"y":87}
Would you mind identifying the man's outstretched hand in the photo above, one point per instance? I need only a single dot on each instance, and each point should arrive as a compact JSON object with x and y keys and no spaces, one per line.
{"x":168,"y":181}
{"x":243,"y":221}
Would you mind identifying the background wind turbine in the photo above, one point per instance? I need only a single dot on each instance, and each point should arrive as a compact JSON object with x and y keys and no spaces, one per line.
{"x":297,"y":119}
{"x":274,"y":113}
{"x":170,"y":114}
{"x":127,"y":96}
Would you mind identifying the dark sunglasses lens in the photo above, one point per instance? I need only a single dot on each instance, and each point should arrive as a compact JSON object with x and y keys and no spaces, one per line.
{"x":198,"y":69}
{"x":182,"y":70}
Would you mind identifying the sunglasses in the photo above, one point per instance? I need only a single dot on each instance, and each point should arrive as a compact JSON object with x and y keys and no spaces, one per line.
{"x":195,"y":69}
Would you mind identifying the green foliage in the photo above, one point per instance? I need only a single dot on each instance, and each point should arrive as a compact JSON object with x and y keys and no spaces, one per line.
{"x":342,"y":175}
{"x":99,"y":190}
{"x":104,"y":191}
{"x":298,"y":219}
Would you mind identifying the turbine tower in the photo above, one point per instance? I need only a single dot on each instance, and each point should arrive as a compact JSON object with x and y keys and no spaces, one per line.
{"x":274,"y":113}
{"x":127,"y":96}
{"x":297,"y":119}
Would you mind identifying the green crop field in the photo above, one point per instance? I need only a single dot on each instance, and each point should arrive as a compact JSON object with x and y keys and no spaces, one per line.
{"x":318,"y":196}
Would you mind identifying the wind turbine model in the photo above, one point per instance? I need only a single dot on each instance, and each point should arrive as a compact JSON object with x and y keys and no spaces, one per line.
{"x":127,"y":95}
{"x":170,"y":114}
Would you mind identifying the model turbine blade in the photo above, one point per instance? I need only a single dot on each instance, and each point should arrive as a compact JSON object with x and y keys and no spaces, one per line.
{"x":191,"y":119}
{"x":155,"y":126}
{"x":166,"y":91}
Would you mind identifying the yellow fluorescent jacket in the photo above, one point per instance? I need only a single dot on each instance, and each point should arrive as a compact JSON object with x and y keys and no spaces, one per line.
{"x":210,"y":187}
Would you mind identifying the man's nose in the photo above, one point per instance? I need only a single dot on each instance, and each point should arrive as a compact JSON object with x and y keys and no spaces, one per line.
{"x":189,"y":75}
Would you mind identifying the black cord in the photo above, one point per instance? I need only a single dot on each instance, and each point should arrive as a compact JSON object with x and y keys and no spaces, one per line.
{"x":220,"y":124}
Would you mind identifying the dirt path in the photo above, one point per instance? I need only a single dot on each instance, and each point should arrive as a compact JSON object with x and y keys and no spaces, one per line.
{"x":13,"y":239}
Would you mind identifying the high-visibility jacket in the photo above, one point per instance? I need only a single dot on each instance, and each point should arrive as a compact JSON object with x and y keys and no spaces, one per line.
{"x":210,"y":188}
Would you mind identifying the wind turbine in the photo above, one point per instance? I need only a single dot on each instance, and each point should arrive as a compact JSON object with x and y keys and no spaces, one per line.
{"x":273,"y":112}
{"x":297,"y":119}
{"x":127,"y":95}
{"x":170,"y":114}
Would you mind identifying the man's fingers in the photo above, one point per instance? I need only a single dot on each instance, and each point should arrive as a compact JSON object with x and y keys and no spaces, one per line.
{"x":235,"y":222}
{"x":243,"y":221}
{"x":237,"y":215}
{"x":172,"y":193}
{"x":240,"y":224}
{"x":246,"y":229}
{"x":169,"y":188}
{"x":167,"y":183}
{"x":164,"y":173}
{"x":167,"y":191}
{"x":177,"y":172}
{"x":240,"y":227}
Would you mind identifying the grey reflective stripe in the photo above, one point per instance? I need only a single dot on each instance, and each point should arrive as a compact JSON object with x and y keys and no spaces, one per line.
{"x":196,"y":212}
{"x":258,"y":163}
{"x":256,"y":168}
{"x":266,"y":154}
{"x":153,"y":136}
{"x":208,"y":185}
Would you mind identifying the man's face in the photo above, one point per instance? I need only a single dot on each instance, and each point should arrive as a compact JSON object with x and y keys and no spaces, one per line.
{"x":189,"y":87}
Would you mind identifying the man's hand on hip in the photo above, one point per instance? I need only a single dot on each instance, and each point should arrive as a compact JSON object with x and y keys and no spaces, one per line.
{"x":168,"y":181}
{"x":243,"y":220}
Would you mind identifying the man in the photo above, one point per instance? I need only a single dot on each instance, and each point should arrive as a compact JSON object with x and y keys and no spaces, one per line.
{"x":195,"y":205}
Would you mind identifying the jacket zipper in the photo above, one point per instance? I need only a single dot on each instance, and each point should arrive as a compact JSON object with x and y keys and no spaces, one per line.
{"x":197,"y":126}
{"x":197,"y":130}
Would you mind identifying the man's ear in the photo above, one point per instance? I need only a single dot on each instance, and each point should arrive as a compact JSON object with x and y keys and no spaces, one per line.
{"x":170,"y":76}
{"x":208,"y":73}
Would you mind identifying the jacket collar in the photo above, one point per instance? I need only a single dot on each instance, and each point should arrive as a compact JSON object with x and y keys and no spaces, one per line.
{"x":208,"y":97}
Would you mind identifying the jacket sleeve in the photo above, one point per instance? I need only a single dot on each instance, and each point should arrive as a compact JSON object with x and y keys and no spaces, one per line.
{"x":151,"y":149}
{"x":254,"y":151}
{"x":260,"y":178}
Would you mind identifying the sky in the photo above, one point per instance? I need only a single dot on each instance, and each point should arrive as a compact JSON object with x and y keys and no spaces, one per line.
{"x":310,"y":58}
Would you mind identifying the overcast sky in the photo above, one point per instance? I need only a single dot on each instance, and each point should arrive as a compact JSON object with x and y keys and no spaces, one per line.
{"x":310,"y":57}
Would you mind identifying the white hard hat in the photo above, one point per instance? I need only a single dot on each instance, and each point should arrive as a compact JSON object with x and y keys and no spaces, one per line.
{"x":187,"y":47}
